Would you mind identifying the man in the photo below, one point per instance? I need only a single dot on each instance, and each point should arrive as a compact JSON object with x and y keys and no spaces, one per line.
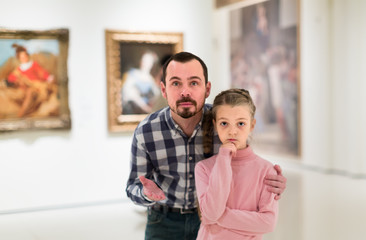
{"x":166,"y":147}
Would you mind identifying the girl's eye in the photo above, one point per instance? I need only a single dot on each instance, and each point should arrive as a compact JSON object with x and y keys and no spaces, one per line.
{"x":241,"y":124}
{"x":223,"y":123}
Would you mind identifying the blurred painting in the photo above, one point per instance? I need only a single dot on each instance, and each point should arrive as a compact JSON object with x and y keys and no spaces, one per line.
{"x":264,"y":60}
{"x":33,"y":90}
{"x":134,"y":67}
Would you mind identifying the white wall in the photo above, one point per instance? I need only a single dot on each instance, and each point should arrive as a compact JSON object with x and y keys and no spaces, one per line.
{"x":349,"y":85}
{"x":86,"y":164}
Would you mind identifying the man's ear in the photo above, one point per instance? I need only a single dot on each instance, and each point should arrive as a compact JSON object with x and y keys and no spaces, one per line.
{"x":163,"y":89}
{"x":208,"y":89}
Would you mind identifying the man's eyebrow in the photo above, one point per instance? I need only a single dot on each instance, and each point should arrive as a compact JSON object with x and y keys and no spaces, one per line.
{"x":174,"y":78}
{"x":194,"y":78}
{"x":190,"y":78}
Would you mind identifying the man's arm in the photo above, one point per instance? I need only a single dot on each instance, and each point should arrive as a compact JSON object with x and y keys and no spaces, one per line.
{"x":276,"y":182}
{"x":140,"y":166}
{"x":150,"y":190}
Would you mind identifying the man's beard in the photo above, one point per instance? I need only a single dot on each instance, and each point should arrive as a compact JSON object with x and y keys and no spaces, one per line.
{"x":185,"y":113}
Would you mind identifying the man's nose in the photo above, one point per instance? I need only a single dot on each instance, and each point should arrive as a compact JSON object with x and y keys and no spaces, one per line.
{"x":185,"y":93}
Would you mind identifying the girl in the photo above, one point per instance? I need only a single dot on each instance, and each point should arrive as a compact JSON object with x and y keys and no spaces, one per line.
{"x":233,"y":200}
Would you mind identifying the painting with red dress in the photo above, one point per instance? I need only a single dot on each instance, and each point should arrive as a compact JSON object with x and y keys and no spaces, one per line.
{"x":30,"y":92}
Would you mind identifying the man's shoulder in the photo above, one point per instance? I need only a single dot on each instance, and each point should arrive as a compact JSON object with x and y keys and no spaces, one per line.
{"x":208,"y":106}
{"x":152,"y":121}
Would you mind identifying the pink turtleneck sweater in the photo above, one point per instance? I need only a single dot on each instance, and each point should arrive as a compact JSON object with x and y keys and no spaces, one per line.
{"x":233,"y":199}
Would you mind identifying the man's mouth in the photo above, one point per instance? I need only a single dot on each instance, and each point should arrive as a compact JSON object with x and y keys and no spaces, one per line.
{"x":186,"y":104}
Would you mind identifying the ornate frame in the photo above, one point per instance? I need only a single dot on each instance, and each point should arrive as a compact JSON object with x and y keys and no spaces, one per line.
{"x":116,"y":41}
{"x":61,"y":120}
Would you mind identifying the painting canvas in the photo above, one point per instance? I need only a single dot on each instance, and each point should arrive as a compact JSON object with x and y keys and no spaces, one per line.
{"x":33,"y":80}
{"x":134,"y":63}
{"x":264,"y":60}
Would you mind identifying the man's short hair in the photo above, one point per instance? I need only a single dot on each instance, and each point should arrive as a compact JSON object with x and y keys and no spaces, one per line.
{"x":184,"y":57}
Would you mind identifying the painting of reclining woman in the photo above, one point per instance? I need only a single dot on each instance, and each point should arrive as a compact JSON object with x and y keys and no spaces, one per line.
{"x":29,"y":84}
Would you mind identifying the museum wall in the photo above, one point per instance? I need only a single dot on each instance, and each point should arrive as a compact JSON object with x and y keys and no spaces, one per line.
{"x":88,"y":164}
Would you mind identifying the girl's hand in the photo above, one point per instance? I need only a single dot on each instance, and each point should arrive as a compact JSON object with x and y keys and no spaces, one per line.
{"x":231,"y":146}
{"x":151,"y":190}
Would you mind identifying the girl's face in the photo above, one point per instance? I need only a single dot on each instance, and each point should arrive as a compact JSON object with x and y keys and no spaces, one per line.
{"x":234,"y":124}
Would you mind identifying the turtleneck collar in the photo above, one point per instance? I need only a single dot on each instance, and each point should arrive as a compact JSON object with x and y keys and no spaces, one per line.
{"x":243,"y":155}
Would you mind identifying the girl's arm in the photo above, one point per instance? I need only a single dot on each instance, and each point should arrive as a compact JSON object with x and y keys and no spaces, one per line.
{"x":253,"y":222}
{"x":213,"y":187}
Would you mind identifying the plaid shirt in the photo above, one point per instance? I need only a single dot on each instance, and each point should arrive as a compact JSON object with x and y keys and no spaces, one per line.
{"x":163,"y":153}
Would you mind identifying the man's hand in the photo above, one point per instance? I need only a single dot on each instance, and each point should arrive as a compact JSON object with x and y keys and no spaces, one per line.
{"x":276,"y":183}
{"x":151,"y":190}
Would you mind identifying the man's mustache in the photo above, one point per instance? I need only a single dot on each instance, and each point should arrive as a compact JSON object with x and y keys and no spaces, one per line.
{"x":187,"y":99}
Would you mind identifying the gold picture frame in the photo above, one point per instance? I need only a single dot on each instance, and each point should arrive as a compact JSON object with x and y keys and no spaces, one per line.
{"x":34,"y":91}
{"x":124,"y":54}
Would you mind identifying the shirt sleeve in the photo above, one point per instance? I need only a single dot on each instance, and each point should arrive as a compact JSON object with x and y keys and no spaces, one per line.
{"x":140,"y":166}
{"x":213,"y":187}
{"x":253,"y":222}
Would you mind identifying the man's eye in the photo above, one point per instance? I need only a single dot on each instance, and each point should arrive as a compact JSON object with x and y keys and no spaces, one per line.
{"x":194,"y":83}
{"x":175,"y":83}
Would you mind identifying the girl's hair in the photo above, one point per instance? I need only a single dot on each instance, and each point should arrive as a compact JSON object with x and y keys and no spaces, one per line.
{"x":232,"y":97}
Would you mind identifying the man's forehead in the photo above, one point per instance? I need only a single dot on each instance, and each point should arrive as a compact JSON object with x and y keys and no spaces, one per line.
{"x":189,"y":65}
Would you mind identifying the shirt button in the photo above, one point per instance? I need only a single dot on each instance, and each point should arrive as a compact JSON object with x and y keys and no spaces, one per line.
{"x":190,"y":175}
{"x":190,"y":158}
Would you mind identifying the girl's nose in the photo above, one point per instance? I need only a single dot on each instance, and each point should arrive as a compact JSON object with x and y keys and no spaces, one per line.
{"x":232,"y":130}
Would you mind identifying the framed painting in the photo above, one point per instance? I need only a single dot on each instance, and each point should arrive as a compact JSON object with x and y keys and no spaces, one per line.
{"x":33,"y":80}
{"x":223,"y":3}
{"x":134,"y":62}
{"x":264,"y":59}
